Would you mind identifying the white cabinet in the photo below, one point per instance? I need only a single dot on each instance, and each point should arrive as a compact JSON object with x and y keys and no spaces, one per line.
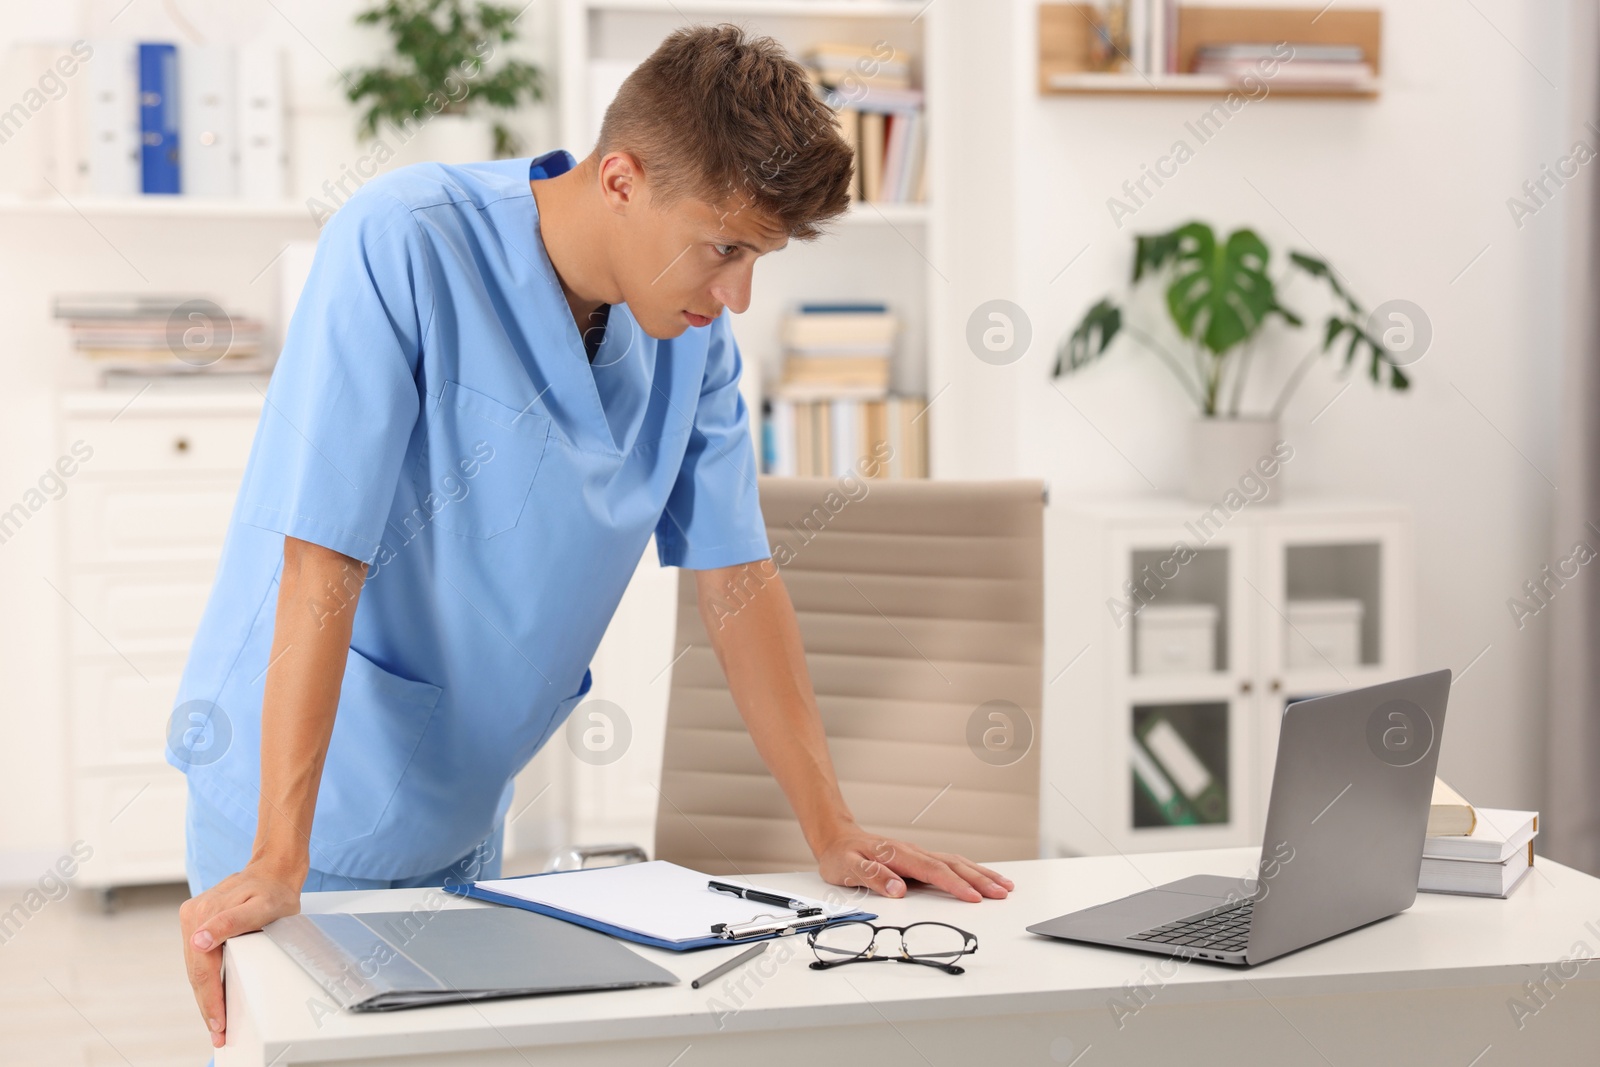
{"x":1187,"y":631}
{"x":145,"y":517}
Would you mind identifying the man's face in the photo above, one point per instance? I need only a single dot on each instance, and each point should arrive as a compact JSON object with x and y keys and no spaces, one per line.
{"x":686,"y":262}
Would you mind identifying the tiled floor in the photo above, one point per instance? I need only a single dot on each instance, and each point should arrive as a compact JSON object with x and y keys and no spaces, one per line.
{"x":82,"y":988}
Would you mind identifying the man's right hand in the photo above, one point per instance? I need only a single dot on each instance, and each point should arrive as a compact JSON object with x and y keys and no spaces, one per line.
{"x":238,"y":904}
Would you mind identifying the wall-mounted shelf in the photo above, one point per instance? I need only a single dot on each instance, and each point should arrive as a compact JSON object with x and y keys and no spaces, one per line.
{"x":163,"y":207}
{"x":1065,"y":32}
{"x":768,"y":8}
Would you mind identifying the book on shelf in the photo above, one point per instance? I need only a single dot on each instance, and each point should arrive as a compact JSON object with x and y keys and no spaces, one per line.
{"x":1139,"y":36}
{"x":1490,"y":861}
{"x":1450,"y":814}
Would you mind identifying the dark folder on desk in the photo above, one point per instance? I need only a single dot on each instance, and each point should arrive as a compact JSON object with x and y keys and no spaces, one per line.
{"x":387,"y":960}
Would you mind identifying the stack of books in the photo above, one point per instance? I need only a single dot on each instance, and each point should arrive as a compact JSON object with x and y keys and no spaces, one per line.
{"x":869,"y":89}
{"x":841,"y":349}
{"x":1485,"y":852}
{"x":1307,"y":66}
{"x":150,"y":335}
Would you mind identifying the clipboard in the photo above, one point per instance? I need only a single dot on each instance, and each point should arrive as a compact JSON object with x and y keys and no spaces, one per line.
{"x":657,"y":903}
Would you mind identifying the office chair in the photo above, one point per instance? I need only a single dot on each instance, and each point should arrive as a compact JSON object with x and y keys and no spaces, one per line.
{"x":921,"y":607}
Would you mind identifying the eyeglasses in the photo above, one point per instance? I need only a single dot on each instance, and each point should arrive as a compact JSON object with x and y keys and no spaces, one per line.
{"x":856,"y":941}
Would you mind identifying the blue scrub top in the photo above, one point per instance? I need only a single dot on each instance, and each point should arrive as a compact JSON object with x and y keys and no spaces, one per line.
{"x":434,"y":414}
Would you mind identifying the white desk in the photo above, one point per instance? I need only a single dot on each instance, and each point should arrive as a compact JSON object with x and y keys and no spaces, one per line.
{"x":1433,"y":985}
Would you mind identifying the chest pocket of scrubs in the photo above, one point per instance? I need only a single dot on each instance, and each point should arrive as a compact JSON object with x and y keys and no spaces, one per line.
{"x":477,"y":466}
{"x":376,"y":734}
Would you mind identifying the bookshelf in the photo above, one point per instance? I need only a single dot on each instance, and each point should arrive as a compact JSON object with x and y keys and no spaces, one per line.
{"x":1065,"y":31}
{"x":877,"y":252}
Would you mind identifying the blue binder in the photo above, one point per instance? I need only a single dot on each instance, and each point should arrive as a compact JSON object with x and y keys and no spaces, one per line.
{"x":158,"y":118}
{"x":709,"y":941}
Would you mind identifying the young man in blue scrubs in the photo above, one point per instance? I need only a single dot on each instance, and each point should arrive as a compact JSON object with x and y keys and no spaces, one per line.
{"x":451,"y":484}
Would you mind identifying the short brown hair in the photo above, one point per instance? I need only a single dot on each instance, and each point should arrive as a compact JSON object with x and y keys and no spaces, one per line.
{"x":727,"y":118}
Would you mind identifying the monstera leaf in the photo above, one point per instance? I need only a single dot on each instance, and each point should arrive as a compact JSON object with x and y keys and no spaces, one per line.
{"x":1089,"y":338}
{"x":1378,"y":355}
{"x":1220,"y":293}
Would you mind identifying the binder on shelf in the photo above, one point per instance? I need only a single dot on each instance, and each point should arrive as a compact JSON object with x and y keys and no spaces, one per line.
{"x":158,"y":118}
{"x":656,"y":903}
{"x":111,"y":119}
{"x":1189,"y":774}
{"x":208,"y":120}
{"x":1155,"y":785}
{"x":263,"y":152}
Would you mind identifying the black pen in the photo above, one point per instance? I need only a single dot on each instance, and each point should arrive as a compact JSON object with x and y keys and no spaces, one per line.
{"x":757,"y":895}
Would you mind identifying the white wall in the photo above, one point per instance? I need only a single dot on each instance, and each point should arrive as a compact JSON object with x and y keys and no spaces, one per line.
{"x":1401,"y":194}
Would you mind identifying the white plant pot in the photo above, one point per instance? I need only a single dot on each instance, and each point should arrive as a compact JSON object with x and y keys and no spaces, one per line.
{"x":455,"y":139}
{"x":1222,"y":452}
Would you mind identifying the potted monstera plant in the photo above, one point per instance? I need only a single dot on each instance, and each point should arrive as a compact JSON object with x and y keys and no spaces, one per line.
{"x":1219,"y":293}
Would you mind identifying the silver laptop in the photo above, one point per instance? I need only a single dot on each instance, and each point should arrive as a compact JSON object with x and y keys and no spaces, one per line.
{"x":1343,"y":843}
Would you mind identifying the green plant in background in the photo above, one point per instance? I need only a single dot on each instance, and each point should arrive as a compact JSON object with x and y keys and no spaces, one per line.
{"x":1219,"y":295}
{"x":442,"y":48}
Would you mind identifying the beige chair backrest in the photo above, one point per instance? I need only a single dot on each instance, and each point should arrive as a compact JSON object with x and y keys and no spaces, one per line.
{"x":920,"y":602}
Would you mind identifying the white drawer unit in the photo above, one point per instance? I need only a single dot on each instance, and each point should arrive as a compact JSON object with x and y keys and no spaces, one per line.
{"x":145,"y":513}
{"x":135,"y":519}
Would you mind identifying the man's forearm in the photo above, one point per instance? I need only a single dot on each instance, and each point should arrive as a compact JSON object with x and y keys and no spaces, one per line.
{"x":317,"y":596}
{"x":761,"y":653}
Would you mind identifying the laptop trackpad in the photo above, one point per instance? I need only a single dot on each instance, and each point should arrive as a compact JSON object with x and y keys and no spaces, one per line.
{"x":1141,"y":911}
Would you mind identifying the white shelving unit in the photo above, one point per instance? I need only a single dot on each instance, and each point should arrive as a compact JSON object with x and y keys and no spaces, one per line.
{"x":879,"y":251}
{"x":1250,"y":566}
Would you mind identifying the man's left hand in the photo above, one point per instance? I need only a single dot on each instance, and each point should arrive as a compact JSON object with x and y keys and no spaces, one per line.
{"x":855,"y":857}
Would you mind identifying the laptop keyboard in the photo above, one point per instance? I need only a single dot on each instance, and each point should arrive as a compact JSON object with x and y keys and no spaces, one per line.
{"x":1225,"y":931}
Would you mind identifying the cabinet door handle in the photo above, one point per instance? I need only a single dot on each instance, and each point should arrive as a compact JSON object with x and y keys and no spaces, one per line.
{"x":1246,"y":686}
{"x":1277,"y":685}
{"x":181,"y":444}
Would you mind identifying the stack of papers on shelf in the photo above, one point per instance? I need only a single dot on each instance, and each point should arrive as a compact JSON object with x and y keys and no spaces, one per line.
{"x":1491,"y":861}
{"x":159,"y":334}
{"x":655,"y":903}
{"x":1301,"y":66}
